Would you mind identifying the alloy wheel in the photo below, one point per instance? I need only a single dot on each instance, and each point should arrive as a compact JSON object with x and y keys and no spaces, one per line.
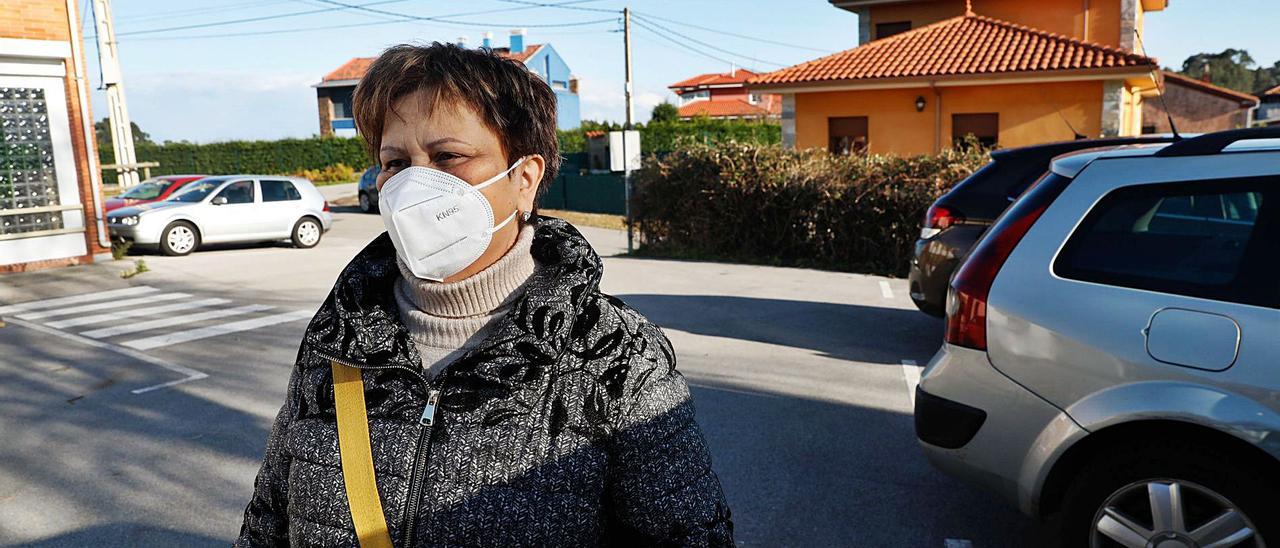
{"x":308,"y":233}
{"x":181,"y":239}
{"x":1169,"y":513}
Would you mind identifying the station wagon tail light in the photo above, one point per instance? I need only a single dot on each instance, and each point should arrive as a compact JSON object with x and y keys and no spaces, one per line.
{"x":939,"y":218}
{"x":971,"y":286}
{"x":326,"y":205}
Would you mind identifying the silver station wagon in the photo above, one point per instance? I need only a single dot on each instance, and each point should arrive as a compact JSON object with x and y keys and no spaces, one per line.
{"x":224,"y":209}
{"x":1112,"y":355}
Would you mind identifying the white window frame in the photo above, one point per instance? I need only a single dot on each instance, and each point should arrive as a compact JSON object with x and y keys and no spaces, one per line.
{"x":41,"y":64}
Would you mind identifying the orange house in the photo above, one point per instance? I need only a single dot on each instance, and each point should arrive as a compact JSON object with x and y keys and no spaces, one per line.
{"x":929,"y":72}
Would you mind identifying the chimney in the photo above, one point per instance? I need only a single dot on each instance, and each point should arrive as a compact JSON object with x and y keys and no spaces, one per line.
{"x":488,"y":40}
{"x":517,"y":40}
{"x":462,"y":42}
{"x":573,"y":84}
{"x":1206,"y":75}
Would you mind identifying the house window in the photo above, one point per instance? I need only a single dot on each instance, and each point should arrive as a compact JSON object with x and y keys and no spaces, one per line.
{"x":1148,"y":129}
{"x":754,"y":98}
{"x":28,"y":179}
{"x":847,"y":135}
{"x":691,"y":96}
{"x":559,"y":84}
{"x":985,"y":126}
{"x":885,"y":30}
{"x":341,"y":99}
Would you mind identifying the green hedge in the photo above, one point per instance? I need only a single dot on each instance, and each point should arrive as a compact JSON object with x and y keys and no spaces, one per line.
{"x":667,"y":136}
{"x":267,"y":157}
{"x":769,"y":205}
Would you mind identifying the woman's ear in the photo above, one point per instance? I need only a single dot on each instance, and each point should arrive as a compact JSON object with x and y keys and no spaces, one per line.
{"x":529,"y":177}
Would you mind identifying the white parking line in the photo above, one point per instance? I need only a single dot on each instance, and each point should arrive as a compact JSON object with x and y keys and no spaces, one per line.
{"x":169,"y":322}
{"x":191,"y":374}
{"x":885,"y":290}
{"x":99,"y":318}
{"x":73,"y":299}
{"x":957,"y":543}
{"x":911,"y":372}
{"x":101,"y":306}
{"x":215,"y":330}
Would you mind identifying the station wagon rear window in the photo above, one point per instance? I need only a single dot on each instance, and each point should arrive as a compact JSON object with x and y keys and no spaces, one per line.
{"x":1209,"y":239}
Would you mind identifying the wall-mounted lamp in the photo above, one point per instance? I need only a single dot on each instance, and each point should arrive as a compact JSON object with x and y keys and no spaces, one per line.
{"x":920,"y":103}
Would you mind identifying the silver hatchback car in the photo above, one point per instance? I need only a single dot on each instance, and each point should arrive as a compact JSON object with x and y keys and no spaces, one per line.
{"x":227,"y":208}
{"x":1112,"y":350}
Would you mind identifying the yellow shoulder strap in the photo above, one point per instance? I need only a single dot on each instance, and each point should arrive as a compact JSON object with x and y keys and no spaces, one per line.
{"x":357,"y":458}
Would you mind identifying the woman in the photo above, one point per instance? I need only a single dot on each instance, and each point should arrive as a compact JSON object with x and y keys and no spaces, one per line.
{"x":560,"y":417}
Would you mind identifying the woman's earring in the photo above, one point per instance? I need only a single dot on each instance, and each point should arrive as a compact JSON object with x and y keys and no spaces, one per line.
{"x":525,"y":215}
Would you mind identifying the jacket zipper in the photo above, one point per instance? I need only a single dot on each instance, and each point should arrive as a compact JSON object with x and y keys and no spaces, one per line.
{"x":423,"y":451}
{"x":421,"y":456}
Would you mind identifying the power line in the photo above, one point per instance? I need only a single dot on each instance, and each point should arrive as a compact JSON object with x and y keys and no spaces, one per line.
{"x":246,"y":19}
{"x":342,"y":26}
{"x":466,"y":23}
{"x":196,"y":11}
{"x":658,"y":33}
{"x":706,"y":45}
{"x":562,"y":5}
{"x":727,"y":33}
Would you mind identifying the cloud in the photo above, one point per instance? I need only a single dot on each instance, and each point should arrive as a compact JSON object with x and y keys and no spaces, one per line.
{"x":604,"y":100}
{"x":219,"y":105}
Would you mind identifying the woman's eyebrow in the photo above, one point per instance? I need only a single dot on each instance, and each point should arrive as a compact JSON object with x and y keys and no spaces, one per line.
{"x":444,"y":140}
{"x":392,"y":149}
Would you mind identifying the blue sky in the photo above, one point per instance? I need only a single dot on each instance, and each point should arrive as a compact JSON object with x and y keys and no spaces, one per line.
{"x":251,"y":80}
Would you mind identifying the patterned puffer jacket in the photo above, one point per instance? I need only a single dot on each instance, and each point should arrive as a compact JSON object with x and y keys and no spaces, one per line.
{"x":568,"y":426}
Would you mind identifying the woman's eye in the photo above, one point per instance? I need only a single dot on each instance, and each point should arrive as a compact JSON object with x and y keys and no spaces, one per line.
{"x":446,"y":157}
{"x":393,"y":165}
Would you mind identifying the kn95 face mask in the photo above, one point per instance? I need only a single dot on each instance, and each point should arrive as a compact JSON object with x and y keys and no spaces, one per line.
{"x":439,"y":223}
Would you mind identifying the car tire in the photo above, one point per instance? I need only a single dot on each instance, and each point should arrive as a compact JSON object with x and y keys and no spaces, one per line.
{"x":306,"y":233}
{"x":367,"y":205}
{"x":1121,"y":479}
{"x":179,"y":238}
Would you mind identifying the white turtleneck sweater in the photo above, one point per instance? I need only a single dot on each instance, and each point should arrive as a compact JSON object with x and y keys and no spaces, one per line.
{"x":445,"y":320}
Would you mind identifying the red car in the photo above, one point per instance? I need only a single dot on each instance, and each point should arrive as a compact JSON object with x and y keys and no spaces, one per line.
{"x":151,"y":190}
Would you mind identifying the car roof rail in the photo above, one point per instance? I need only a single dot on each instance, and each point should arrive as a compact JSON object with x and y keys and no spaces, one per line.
{"x":1213,"y":143}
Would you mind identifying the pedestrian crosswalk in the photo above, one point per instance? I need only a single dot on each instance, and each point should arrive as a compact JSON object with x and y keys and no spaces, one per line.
{"x":145,"y":318}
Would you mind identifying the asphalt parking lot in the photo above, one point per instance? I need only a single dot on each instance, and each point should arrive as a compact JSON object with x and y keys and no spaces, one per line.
{"x":120,"y":436}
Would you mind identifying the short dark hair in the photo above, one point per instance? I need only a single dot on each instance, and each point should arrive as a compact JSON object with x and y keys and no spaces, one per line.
{"x":513,"y":101}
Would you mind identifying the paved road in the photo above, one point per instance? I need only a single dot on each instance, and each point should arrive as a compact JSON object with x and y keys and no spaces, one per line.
{"x":152,"y":437}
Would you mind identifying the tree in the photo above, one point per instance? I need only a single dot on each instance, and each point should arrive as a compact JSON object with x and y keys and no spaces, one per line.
{"x":1232,"y":68}
{"x":102,"y":129}
{"x":664,"y":112}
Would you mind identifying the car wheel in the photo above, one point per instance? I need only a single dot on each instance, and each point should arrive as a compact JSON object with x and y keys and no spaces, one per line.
{"x":306,"y":233}
{"x":1170,"y":494}
{"x":179,"y":238}
{"x":367,"y":205}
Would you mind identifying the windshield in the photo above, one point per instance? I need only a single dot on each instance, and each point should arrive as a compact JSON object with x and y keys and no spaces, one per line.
{"x":195,"y":192}
{"x":146,"y":190}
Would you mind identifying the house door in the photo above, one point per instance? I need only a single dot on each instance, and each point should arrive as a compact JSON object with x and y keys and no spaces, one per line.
{"x":847,"y":135}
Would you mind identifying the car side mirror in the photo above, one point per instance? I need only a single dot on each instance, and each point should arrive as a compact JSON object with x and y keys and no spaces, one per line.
{"x":219,"y":200}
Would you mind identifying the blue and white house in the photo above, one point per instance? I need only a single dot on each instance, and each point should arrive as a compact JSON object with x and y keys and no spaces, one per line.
{"x":333,"y":93}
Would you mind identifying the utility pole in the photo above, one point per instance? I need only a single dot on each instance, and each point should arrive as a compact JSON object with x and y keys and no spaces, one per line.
{"x":626,"y":165}
{"x":117,"y":110}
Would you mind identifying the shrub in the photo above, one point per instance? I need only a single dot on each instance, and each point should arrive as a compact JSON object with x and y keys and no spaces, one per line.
{"x":664,"y":136}
{"x":279,"y":157}
{"x":337,"y":173}
{"x":766,"y":204}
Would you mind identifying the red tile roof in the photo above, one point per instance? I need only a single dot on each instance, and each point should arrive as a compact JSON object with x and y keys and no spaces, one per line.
{"x":1207,"y":87}
{"x":1272,"y":91}
{"x":727,"y":108}
{"x":357,"y":66}
{"x":351,"y":70}
{"x":714,"y":79}
{"x":963,"y":45}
